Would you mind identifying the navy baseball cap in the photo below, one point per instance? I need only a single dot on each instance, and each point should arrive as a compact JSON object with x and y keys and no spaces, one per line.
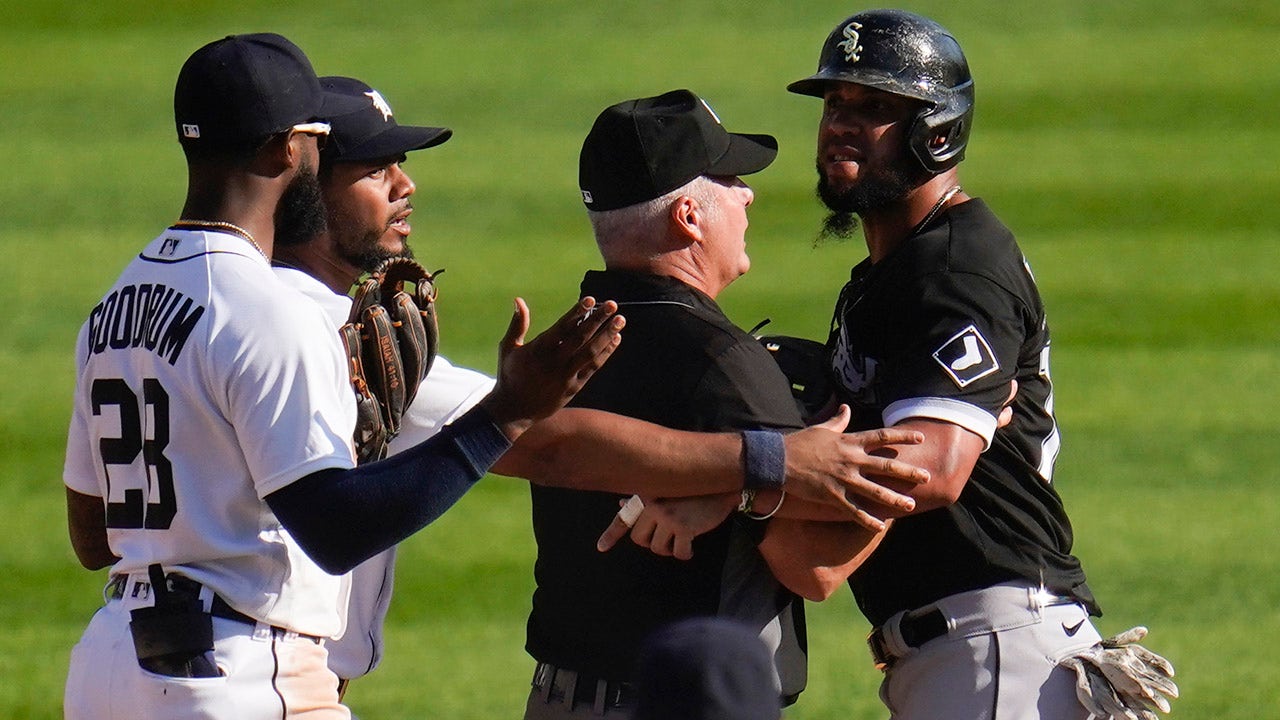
{"x":642,"y":149}
{"x":370,"y":131}
{"x":706,"y":668}
{"x":236,"y":92}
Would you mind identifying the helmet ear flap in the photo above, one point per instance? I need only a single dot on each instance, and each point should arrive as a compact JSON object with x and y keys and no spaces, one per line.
{"x":938,"y":137}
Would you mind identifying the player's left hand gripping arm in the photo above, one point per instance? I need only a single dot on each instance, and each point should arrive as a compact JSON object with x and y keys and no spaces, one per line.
{"x":819,"y":460}
{"x":949,"y":453}
{"x":584,"y":449}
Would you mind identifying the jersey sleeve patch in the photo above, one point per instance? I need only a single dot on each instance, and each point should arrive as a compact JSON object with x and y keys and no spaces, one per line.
{"x":966,"y":357}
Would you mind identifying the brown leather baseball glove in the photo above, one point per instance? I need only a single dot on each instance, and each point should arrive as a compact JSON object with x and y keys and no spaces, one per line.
{"x":391,"y":338}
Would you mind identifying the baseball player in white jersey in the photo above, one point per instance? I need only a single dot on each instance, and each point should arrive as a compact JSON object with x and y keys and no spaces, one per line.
{"x":209,"y":456}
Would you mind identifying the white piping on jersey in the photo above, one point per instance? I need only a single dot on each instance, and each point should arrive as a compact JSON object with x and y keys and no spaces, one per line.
{"x":1052,"y":443}
{"x":1049,"y":454}
{"x":655,"y":302}
{"x":966,"y":415}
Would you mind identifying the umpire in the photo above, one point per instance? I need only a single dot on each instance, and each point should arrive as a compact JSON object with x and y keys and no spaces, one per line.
{"x":659,"y":177}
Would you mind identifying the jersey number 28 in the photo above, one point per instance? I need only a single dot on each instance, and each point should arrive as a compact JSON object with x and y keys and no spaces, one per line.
{"x":137,"y":511}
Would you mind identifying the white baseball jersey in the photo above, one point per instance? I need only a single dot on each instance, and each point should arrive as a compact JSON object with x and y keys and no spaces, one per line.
{"x":204,"y":384}
{"x":447,"y":393}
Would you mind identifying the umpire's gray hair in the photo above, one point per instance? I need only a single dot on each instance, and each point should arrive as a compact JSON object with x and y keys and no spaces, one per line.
{"x":636,"y":221}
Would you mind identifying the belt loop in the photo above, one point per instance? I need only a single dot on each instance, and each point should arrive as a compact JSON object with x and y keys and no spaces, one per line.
{"x":206,"y":597}
{"x":892,"y":632}
{"x":570,"y":687}
{"x":261,"y":631}
{"x":548,"y":681}
{"x":114,"y":589}
{"x":602,"y":692}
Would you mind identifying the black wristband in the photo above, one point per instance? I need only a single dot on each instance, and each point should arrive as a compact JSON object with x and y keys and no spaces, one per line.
{"x":764,"y":459}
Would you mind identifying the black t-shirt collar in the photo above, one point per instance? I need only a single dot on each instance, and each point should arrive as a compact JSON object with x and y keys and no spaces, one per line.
{"x":625,"y":286}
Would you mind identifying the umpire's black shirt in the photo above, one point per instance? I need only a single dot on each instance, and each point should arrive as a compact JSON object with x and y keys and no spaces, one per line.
{"x":681,"y":364}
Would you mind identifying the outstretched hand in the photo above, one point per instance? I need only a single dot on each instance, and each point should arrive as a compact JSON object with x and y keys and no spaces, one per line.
{"x":853,"y":472}
{"x":539,"y":377}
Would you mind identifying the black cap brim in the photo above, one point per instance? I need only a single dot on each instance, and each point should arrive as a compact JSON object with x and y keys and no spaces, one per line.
{"x":746,"y":154}
{"x":394,"y":142}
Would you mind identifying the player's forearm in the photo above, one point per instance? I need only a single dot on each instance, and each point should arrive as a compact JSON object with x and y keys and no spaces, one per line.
{"x":814,"y":559}
{"x":342,"y":517}
{"x":586,"y":449}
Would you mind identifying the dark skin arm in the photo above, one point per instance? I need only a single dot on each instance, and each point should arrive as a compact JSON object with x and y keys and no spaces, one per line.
{"x":813,"y":559}
{"x":87,"y":523}
{"x":948,"y":452}
{"x":834,"y":472}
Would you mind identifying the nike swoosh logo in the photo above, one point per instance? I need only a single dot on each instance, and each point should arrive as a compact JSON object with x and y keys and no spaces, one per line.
{"x":1071,"y":630}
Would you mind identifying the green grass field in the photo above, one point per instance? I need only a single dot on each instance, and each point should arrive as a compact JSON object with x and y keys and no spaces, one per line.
{"x":1130,"y":148}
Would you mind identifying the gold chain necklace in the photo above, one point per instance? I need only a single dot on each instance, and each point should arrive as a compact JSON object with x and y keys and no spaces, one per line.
{"x":221,"y":225}
{"x":936,"y":207}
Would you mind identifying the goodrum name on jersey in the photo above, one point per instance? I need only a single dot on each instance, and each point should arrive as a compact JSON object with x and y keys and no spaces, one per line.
{"x":156,"y":317}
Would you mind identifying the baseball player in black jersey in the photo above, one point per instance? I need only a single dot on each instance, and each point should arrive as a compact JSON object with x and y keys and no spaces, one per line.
{"x":975,"y":595}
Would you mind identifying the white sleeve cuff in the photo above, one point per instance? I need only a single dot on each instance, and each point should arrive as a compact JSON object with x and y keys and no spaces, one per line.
{"x":968,"y":416}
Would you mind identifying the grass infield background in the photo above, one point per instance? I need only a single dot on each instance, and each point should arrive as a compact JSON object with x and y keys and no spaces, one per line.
{"x":1131,"y":149}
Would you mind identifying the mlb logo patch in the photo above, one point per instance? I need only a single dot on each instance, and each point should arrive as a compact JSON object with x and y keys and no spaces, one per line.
{"x":966,"y":357}
{"x":190,"y":131}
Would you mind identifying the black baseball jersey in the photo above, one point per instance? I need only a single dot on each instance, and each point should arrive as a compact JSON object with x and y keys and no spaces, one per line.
{"x":937,"y":330}
{"x":684,"y":365}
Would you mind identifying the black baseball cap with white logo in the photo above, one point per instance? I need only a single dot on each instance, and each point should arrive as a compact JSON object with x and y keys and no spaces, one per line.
{"x":642,"y":149}
{"x":236,"y":92}
{"x":370,"y":132}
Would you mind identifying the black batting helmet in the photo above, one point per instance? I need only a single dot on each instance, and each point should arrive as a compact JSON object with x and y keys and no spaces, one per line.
{"x":909,"y":55}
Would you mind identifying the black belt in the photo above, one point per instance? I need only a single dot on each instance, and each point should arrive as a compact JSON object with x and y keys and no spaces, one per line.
{"x":217,"y":608}
{"x":574,"y":688}
{"x":916,"y":630}
{"x":920,"y":626}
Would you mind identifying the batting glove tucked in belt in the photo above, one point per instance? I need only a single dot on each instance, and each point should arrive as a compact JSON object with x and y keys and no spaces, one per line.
{"x":1118,"y":678}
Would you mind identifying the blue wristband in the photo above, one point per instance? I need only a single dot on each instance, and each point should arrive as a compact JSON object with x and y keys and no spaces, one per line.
{"x":480,"y":441}
{"x":764,"y":457}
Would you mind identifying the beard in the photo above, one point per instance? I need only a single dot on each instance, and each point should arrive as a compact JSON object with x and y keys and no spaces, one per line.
{"x":881,"y":187}
{"x":363,"y":249}
{"x":300,"y":216}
